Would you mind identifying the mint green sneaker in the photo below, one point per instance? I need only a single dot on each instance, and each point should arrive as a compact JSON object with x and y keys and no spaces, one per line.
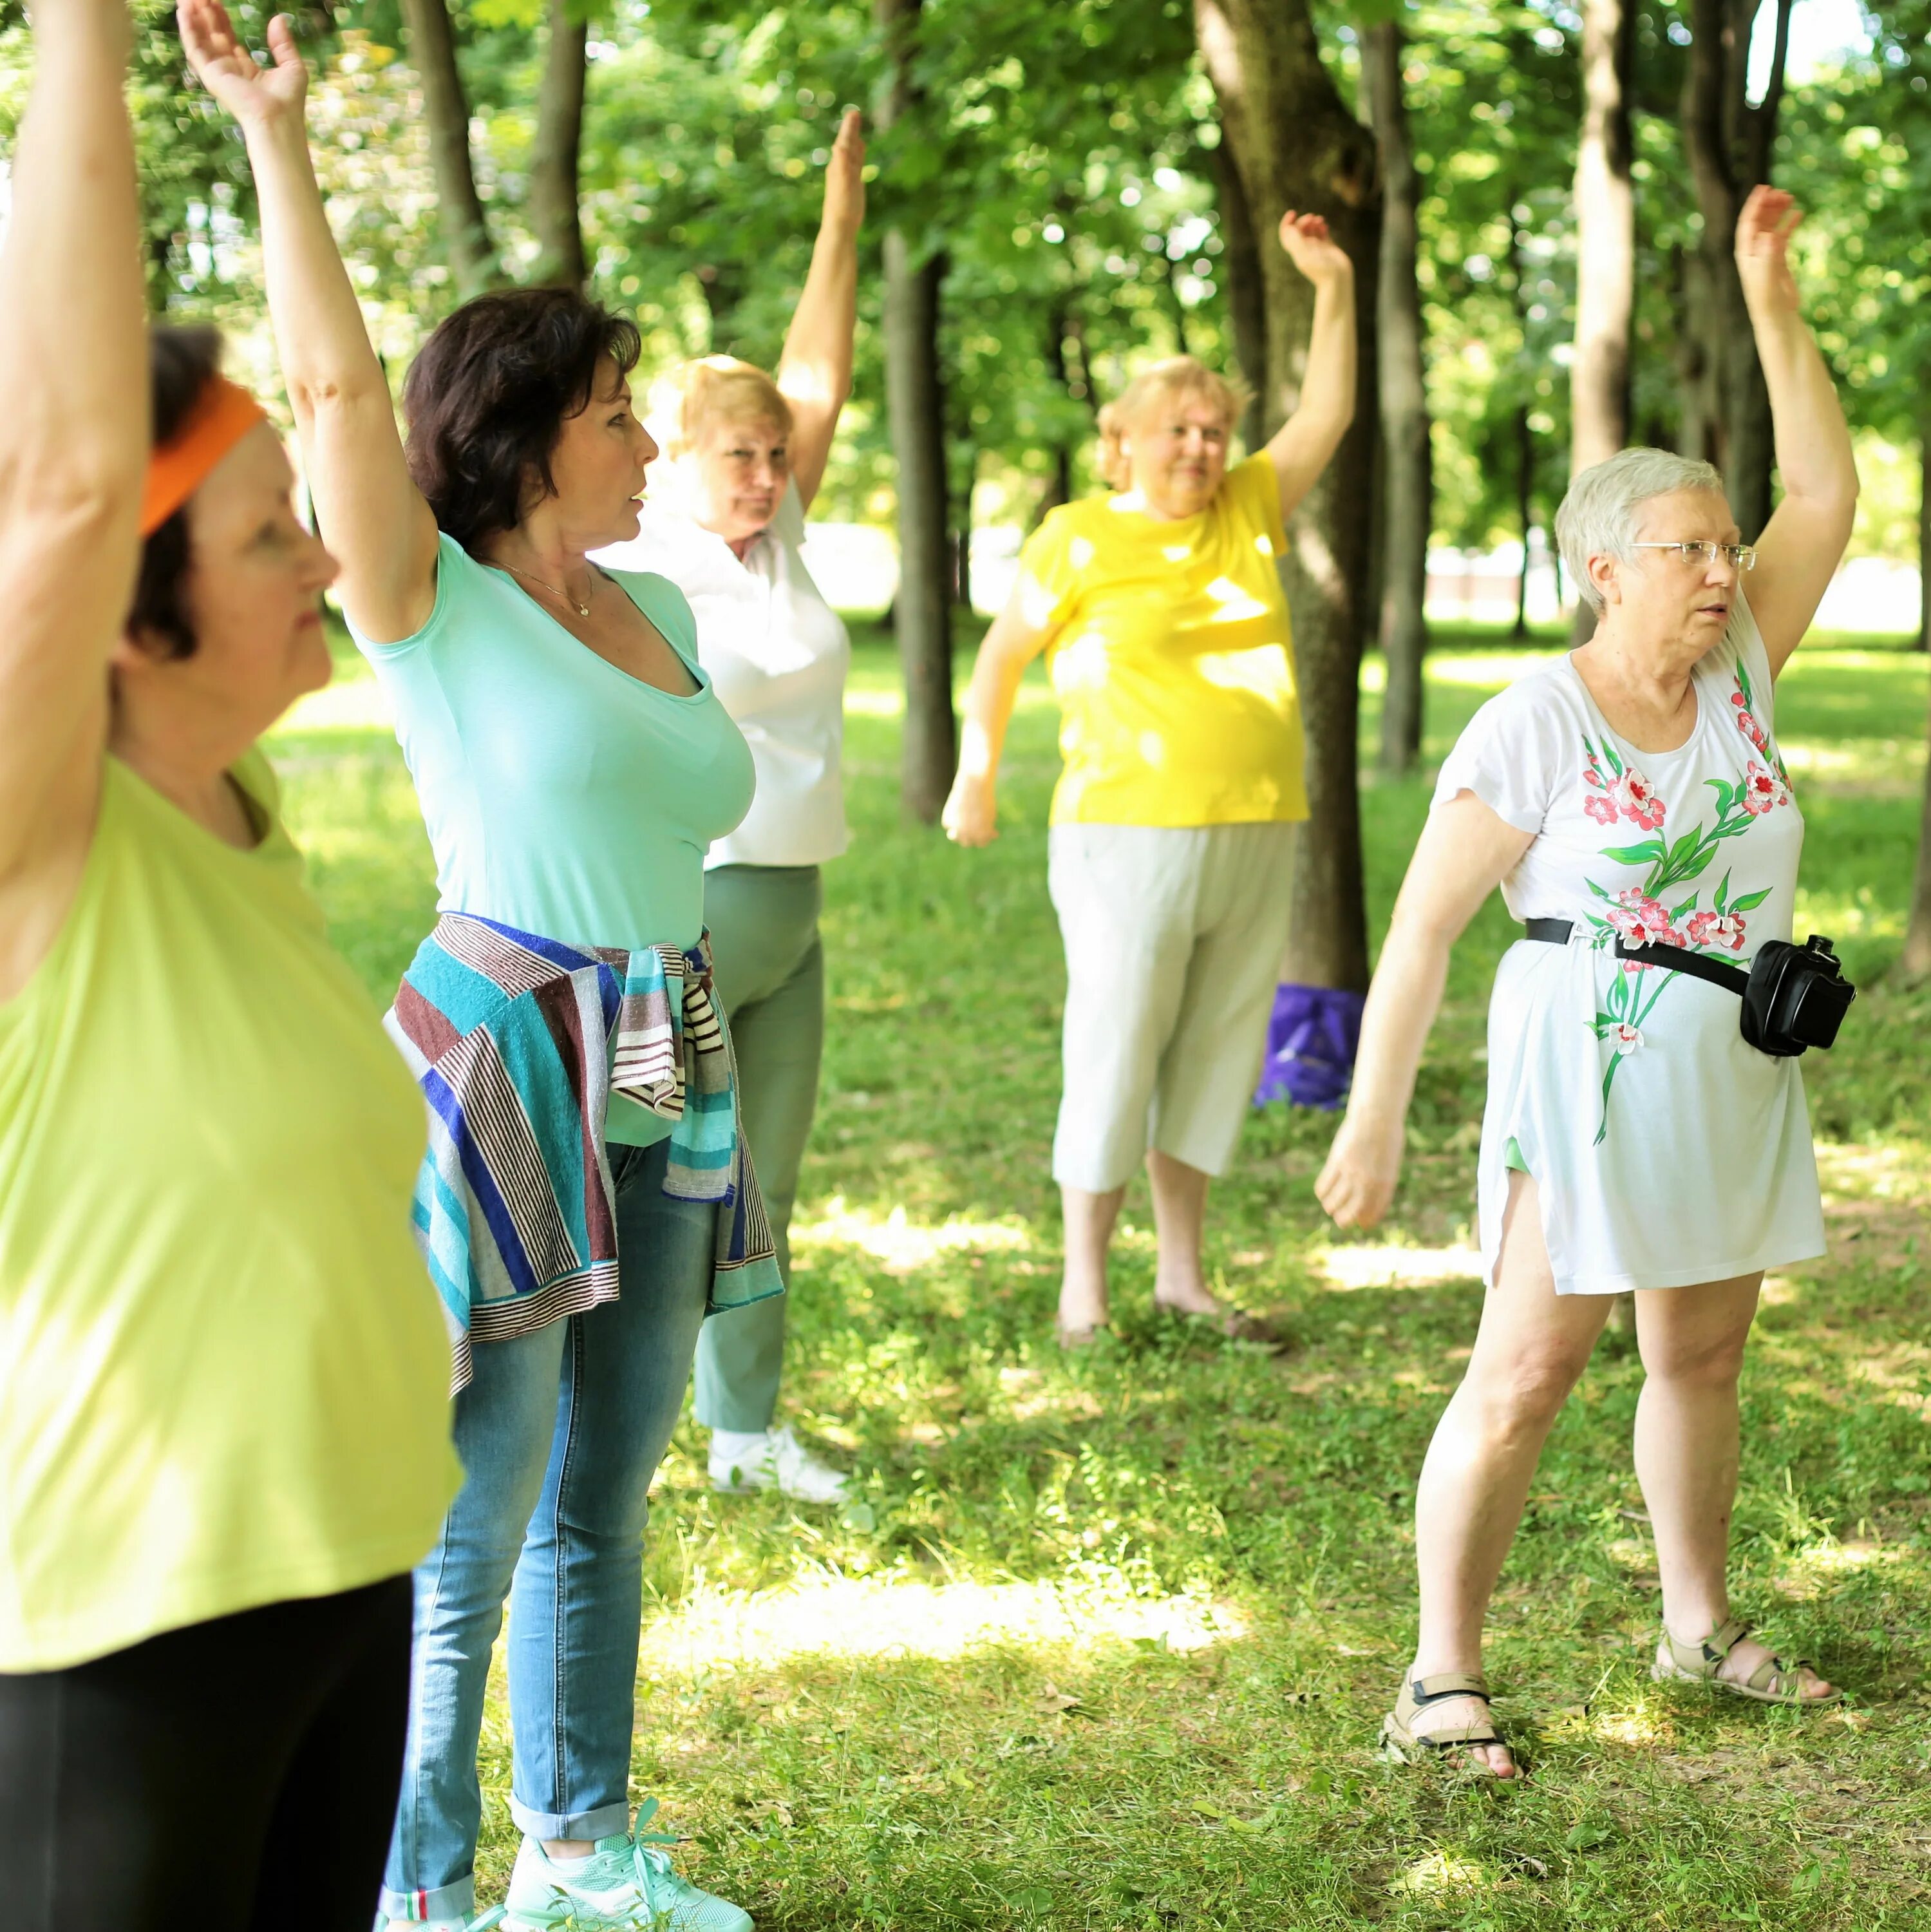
{"x":483,"y":1921}
{"x":626,"y":1884}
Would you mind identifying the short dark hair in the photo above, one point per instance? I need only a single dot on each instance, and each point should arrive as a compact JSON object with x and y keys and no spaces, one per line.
{"x":486,"y":400}
{"x":181,"y":363}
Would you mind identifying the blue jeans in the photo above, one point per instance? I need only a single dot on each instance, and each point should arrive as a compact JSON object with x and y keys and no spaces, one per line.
{"x":560,"y":1433}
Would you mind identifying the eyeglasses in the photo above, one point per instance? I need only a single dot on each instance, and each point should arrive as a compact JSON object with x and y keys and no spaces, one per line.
{"x":1739,"y":556}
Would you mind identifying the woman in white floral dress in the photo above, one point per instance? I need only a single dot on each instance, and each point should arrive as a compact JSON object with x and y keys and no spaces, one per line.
{"x":1632,"y":1140}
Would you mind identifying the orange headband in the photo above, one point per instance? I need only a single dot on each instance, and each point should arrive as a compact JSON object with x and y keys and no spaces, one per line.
{"x":225,"y":414}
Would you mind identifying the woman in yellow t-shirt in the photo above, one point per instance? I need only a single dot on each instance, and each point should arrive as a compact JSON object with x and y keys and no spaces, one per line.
{"x":1172,"y":842}
{"x":224,"y":1427}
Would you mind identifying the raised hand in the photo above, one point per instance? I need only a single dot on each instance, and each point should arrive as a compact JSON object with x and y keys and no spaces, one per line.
{"x":256,"y":96}
{"x":844,"y":176}
{"x":1770,"y":218}
{"x":1311,"y":249}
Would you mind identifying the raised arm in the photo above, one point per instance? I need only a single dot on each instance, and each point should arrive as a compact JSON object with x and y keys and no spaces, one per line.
{"x":73,"y":447}
{"x":1803,"y":541}
{"x":370,"y":513}
{"x":814,"y":374}
{"x":1302,"y":446}
{"x":1016,"y":636}
{"x":1466,"y":850}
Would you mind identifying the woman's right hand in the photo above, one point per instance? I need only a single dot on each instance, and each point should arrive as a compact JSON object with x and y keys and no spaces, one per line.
{"x":1358,"y":1179}
{"x":256,"y":96}
{"x":971,"y":816}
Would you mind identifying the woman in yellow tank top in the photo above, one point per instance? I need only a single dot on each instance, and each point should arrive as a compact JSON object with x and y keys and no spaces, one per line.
{"x":224,"y":1432}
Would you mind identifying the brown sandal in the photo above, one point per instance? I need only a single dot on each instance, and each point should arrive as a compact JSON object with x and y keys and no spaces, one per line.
{"x":1699,"y":1663}
{"x":1400,"y":1740}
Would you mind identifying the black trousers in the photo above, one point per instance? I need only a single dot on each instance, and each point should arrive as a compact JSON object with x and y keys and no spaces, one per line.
{"x":236,"y":1776}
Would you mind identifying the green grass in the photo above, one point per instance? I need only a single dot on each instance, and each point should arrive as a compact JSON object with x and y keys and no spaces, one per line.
{"x":1108,"y":1641}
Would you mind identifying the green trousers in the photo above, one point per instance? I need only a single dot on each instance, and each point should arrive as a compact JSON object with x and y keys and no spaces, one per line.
{"x":769,"y":975}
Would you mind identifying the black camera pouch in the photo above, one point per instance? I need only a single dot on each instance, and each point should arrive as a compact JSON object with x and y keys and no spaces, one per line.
{"x":1796,"y":996}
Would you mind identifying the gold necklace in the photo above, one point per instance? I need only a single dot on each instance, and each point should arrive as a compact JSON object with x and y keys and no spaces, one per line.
{"x":582,"y":610}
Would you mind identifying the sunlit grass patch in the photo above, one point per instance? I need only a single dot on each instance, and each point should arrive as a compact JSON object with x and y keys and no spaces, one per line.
{"x":1107,"y":1639}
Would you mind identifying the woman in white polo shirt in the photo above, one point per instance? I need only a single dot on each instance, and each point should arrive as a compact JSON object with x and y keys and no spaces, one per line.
{"x":748,"y":454}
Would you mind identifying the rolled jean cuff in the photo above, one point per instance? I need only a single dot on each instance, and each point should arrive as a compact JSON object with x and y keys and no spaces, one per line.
{"x":456,"y":1900}
{"x":607,"y":1821}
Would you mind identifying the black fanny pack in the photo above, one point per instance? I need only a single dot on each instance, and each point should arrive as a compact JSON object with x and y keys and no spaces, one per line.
{"x":1794,"y":997}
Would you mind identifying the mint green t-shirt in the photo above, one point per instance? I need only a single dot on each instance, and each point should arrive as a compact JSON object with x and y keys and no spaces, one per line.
{"x":561,"y":794}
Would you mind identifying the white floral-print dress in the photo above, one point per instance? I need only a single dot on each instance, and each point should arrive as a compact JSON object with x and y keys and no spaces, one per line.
{"x":1665,"y":1150}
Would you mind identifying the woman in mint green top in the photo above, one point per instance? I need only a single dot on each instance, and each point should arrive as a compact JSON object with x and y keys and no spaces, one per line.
{"x":573,"y":764}
{"x":562,"y":795}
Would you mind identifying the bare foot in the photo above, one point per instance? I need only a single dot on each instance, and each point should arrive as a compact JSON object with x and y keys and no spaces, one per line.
{"x":1082,"y":1309}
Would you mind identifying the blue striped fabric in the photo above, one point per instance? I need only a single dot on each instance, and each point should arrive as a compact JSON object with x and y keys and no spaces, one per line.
{"x":518,"y":1042}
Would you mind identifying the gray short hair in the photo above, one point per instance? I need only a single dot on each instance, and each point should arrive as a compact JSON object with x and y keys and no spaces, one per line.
{"x":1597,"y":516}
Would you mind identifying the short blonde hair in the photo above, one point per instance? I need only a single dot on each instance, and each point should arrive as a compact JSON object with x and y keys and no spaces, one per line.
{"x":713,"y":388}
{"x":1177,"y":375}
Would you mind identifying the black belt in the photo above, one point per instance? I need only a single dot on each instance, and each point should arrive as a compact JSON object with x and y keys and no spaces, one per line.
{"x":1671,"y":958}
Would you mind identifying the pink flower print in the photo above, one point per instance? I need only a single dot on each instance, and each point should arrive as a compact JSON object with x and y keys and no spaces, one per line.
{"x":1637,"y":799}
{"x":1626,"y":1036}
{"x":1717,"y":928}
{"x":1601,"y":809}
{"x":1763,"y":789}
{"x":1747,"y":722}
{"x":1640,"y":920}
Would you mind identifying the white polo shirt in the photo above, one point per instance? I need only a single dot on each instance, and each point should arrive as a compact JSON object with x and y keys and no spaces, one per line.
{"x":778,"y":654}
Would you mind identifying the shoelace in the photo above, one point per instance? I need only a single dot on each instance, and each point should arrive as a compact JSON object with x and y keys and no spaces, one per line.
{"x":650,"y":1865}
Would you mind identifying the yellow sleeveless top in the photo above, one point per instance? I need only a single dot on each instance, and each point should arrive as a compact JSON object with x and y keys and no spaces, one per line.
{"x":224,"y":1373}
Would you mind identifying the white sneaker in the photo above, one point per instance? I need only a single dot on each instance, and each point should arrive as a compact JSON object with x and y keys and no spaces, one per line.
{"x":483,"y":1921}
{"x":775,"y":1460}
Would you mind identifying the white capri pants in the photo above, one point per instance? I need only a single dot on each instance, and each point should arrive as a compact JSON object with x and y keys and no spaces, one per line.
{"x":1173,"y":937}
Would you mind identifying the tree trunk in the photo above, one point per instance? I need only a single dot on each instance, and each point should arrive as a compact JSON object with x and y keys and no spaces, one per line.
{"x":1916,"y":963}
{"x":1605,"y":254}
{"x":1246,"y":296}
{"x":915,"y":404}
{"x":465,"y":232}
{"x":1406,"y":475}
{"x":1524,"y":512}
{"x":1924,"y":521}
{"x":1295,"y":145}
{"x":553,"y":215}
{"x":1727,"y":143}
{"x":1606,"y":238}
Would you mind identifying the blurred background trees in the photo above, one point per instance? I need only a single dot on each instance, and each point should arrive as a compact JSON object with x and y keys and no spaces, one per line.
{"x":1538,"y":196}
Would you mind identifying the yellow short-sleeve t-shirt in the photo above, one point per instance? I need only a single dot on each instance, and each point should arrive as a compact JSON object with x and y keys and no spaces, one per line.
{"x":224,"y":1373}
{"x":1172,"y":657}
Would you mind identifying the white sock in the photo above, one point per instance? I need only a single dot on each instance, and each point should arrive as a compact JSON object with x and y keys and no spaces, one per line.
{"x":736,"y":1446}
{"x":564,"y":1860}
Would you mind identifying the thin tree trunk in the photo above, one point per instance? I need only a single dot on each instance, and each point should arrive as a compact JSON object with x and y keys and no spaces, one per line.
{"x":1606,"y":251}
{"x":1060,"y":483}
{"x":1246,"y":294}
{"x":915,"y":404}
{"x":465,"y":231}
{"x":1407,"y":490}
{"x":1296,"y":145}
{"x":1916,"y":963}
{"x":554,"y":212}
{"x":1727,"y":143}
{"x":1924,"y":521}
{"x":1524,"y":511}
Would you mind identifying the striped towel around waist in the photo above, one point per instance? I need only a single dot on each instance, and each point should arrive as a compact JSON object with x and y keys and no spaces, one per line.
{"x":518,"y":1042}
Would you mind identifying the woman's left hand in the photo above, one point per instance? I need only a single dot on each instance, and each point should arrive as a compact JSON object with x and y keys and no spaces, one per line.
{"x":844,"y":176}
{"x":1312,"y":250}
{"x":1764,"y":229}
{"x":1357,"y":1181}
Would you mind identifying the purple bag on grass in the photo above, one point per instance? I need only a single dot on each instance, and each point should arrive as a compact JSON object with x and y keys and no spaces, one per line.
{"x":1311,"y":1038}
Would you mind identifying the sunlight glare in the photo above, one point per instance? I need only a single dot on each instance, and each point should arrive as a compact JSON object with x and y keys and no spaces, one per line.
{"x":868,"y":1617}
{"x":902,"y":1245}
{"x":1351,"y":1268}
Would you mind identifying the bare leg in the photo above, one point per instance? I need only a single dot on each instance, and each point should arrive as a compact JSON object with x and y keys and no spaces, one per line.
{"x":1179,"y":1216}
{"x":1687,"y":1451}
{"x":1530,"y":1348}
{"x":1089,"y":1220}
